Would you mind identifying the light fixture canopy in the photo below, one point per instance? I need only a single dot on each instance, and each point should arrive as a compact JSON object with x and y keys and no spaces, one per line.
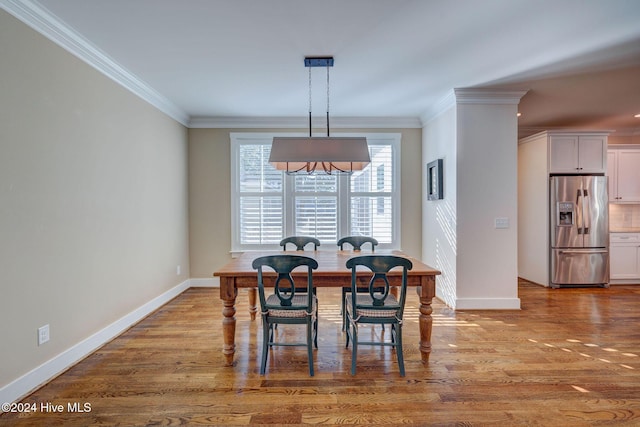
{"x":331,"y":155}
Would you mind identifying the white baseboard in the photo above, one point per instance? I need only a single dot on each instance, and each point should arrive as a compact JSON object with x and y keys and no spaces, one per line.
{"x":488,"y":304}
{"x":35,"y":378}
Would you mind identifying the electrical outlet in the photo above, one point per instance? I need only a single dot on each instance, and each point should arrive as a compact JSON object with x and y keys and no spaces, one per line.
{"x":43,"y":334}
{"x":177,"y":270}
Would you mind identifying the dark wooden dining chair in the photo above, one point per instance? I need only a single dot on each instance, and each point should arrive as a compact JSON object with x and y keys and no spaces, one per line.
{"x":356,"y":242}
{"x":375,"y":307}
{"x":286,"y":306}
{"x":300,"y":242}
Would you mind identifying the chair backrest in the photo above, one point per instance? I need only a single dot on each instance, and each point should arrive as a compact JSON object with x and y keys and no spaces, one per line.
{"x":284,"y":287}
{"x":300,"y":242}
{"x":378,"y":288}
{"x":357,"y":242}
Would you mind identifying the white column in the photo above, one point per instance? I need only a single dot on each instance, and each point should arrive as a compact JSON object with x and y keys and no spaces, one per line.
{"x":487,"y":199}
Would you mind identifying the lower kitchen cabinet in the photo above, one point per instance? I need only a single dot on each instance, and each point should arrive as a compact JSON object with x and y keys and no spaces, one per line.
{"x":624,"y":257}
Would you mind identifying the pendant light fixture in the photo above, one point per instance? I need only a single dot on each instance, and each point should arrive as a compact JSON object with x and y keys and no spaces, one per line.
{"x":308,"y":155}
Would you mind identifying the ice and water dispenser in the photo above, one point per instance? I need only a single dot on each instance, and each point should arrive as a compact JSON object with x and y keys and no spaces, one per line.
{"x":566,"y":214}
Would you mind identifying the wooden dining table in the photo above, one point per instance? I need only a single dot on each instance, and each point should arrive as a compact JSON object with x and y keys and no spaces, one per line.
{"x":331,"y":272}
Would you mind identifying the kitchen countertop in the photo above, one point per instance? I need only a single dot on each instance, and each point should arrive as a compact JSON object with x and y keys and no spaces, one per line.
{"x":625,"y":230}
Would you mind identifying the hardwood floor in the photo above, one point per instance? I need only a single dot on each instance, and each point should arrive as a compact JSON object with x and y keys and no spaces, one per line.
{"x":570,"y":357}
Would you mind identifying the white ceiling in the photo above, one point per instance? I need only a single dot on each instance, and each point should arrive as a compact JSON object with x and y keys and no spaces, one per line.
{"x":579,"y":59}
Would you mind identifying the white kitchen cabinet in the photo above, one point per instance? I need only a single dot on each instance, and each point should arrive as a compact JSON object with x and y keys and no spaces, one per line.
{"x":624,"y":257}
{"x":624,"y":174}
{"x":577,"y":153}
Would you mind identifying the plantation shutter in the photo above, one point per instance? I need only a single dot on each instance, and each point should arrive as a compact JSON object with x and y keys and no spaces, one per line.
{"x":261,"y":198}
{"x":316,"y":206}
{"x":371,"y":196}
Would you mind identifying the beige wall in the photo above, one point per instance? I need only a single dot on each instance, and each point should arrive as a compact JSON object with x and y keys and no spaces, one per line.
{"x":209,"y":194}
{"x":209,"y":200}
{"x":93,"y":200}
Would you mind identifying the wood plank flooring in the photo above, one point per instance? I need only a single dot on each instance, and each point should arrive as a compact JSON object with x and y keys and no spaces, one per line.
{"x":570,"y":357}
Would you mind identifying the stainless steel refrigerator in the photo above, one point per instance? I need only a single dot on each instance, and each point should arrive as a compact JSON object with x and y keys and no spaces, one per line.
{"x":579,"y":222}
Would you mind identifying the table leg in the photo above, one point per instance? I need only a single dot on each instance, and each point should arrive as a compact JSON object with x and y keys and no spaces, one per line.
{"x":253,"y":309}
{"x":228,"y":294}
{"x":426,"y":291}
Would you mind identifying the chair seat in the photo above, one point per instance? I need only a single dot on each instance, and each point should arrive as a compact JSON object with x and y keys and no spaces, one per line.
{"x":391,"y":302}
{"x":299,"y":300}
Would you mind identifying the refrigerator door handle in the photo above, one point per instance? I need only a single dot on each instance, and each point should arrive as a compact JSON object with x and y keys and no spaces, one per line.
{"x":586,"y":213}
{"x":584,"y":251}
{"x":579,"y":213}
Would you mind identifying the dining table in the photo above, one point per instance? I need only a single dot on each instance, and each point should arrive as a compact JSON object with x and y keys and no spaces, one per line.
{"x":331,"y":272}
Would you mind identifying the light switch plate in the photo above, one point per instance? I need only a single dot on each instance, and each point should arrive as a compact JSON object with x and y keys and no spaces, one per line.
{"x":502,"y":222}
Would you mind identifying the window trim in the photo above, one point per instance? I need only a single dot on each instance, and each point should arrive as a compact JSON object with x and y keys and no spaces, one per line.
{"x":344,"y":190}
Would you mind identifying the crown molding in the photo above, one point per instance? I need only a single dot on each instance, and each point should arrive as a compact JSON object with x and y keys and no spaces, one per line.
{"x":50,"y":26}
{"x":488,"y":96}
{"x":445,"y":103}
{"x":248,"y":122}
{"x":626,"y":132}
{"x":303,"y":122}
{"x":526,"y":132}
{"x":471,"y":96}
{"x":569,"y":129}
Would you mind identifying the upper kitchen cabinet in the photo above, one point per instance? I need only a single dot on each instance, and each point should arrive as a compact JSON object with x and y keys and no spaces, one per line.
{"x":577,"y":153}
{"x":624,"y":173}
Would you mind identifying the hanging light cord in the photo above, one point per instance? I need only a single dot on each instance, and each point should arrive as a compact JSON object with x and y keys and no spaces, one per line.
{"x":309,"y":102}
{"x":327,"y":100}
{"x":355,"y":162}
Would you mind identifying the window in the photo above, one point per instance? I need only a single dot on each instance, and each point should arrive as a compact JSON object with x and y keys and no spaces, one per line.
{"x":268,"y":205}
